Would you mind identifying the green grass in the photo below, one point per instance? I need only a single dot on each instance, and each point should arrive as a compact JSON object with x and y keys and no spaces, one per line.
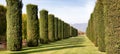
{"x":74,"y":45}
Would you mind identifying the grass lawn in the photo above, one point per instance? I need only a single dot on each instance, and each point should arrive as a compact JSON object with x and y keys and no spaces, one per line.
{"x":74,"y":45}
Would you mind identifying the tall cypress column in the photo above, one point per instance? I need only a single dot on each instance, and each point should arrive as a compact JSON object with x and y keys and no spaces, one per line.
{"x":32,"y":25}
{"x":44,"y":26}
{"x":14,"y":25}
{"x":51,"y":34}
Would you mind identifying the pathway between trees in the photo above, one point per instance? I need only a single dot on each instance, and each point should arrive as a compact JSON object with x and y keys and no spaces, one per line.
{"x":74,"y":45}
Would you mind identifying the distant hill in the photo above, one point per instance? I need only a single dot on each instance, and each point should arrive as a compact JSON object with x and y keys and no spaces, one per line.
{"x":80,"y":26}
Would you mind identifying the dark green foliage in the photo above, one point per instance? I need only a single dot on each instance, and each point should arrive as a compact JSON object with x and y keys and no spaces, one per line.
{"x":71,"y":30}
{"x":2,"y":22}
{"x":62,"y":30}
{"x":68,"y":30}
{"x":24,"y":26}
{"x":65,"y":30}
{"x":32,"y":25}
{"x":44,"y":26}
{"x":76,"y":32}
{"x":96,"y":23}
{"x":112,"y":26}
{"x":59,"y":29}
{"x":101,"y":28}
{"x":51,"y":34}
{"x":96,"y":30}
{"x":56,"y":28}
{"x":14,"y":25}
{"x":91,"y":29}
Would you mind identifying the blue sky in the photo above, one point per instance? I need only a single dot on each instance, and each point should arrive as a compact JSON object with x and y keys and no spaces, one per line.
{"x":71,"y":11}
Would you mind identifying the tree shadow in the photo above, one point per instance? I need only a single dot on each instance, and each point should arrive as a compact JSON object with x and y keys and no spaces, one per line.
{"x":50,"y":49}
{"x":58,"y":45}
{"x":65,"y":42}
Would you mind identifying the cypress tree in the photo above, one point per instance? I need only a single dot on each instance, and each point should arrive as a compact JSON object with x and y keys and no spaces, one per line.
{"x":112,"y":26}
{"x":44,"y":26}
{"x":68,"y":30}
{"x":101,"y":28}
{"x":62,"y":30}
{"x":59,"y":29}
{"x":14,"y":25}
{"x":91,"y":34}
{"x":32,"y":25}
{"x":65,"y":32}
{"x":51,"y":34}
{"x":56,"y":28}
{"x":76,"y":32}
{"x":71,"y":31}
{"x":96,"y":24}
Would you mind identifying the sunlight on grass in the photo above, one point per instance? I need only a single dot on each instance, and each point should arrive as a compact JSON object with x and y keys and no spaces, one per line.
{"x":74,"y":45}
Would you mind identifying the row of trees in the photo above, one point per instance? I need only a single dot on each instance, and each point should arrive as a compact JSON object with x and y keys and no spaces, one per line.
{"x":44,"y":30}
{"x":103,"y":28}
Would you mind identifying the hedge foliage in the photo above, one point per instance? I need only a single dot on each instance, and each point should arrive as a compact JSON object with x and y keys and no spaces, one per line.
{"x":32,"y":25}
{"x":103,"y":26}
{"x":51,"y":34}
{"x":14,"y":25}
{"x":43,"y":26}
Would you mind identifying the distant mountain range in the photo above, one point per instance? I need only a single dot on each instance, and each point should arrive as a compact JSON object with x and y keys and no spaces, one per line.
{"x":80,"y":26}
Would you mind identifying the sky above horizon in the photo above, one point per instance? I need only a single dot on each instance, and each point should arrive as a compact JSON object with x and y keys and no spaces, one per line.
{"x":70,"y":11}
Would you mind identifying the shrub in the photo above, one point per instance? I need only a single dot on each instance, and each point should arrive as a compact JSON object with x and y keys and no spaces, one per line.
{"x":51,"y":34}
{"x":14,"y":25}
{"x":32,"y":25}
{"x":44,"y":26}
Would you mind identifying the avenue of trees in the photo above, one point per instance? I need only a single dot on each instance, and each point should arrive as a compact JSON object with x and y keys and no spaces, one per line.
{"x":103,"y":27}
{"x":35,"y":30}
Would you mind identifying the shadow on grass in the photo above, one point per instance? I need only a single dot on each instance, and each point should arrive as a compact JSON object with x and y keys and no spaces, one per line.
{"x":65,"y":42}
{"x":50,"y":49}
{"x":58,"y":45}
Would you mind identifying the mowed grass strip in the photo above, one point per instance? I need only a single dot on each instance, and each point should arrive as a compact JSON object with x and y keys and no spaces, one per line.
{"x":74,"y":45}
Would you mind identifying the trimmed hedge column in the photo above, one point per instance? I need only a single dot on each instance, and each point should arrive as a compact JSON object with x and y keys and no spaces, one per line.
{"x":101,"y":28}
{"x":32,"y":25}
{"x":59,"y":29}
{"x":68,"y":30}
{"x":56,"y":28}
{"x":44,"y":26}
{"x":65,"y":30}
{"x":62,"y":30}
{"x":14,"y":25}
{"x":112,"y":26}
{"x":51,"y":34}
